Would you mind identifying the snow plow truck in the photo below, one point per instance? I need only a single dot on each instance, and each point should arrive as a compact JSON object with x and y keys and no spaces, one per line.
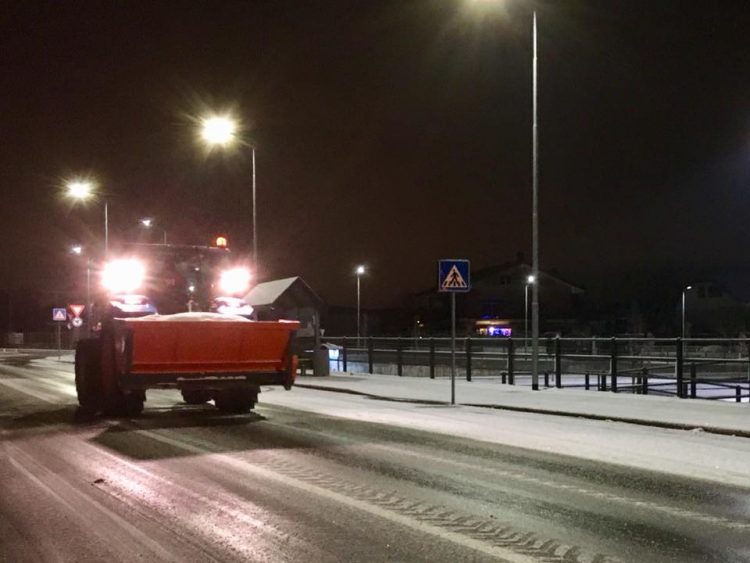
{"x":205,"y":352}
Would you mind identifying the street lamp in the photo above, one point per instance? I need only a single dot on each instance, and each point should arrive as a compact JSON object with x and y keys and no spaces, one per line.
{"x":684,"y":292}
{"x":83,"y":190}
{"x":529,"y":281}
{"x":360,"y":272}
{"x":148,"y":222}
{"x":221,"y":131}
{"x":534,"y":212}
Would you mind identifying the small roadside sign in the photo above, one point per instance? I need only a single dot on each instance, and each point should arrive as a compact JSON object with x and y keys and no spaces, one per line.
{"x":77,"y":322}
{"x":77,"y":309}
{"x":454,"y":276}
{"x":59,"y":314}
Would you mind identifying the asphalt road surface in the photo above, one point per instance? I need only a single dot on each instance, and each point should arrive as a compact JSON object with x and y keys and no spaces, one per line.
{"x":184,"y":483}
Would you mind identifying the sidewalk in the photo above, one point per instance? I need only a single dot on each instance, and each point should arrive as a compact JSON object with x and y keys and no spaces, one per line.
{"x":666,"y":412}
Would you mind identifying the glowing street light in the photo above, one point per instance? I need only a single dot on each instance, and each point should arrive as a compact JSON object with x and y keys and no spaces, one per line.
{"x":530,"y":280}
{"x":684,"y":294}
{"x":221,"y":131}
{"x":360,"y":271}
{"x":218,"y":130}
{"x":82,"y":190}
{"x":148,"y":223}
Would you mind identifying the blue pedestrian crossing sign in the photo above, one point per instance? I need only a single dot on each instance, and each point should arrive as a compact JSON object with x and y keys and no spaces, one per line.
{"x":59,"y":314}
{"x":454,"y":276}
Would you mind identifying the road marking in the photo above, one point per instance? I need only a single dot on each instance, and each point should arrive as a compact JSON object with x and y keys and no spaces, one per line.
{"x":400,"y":511}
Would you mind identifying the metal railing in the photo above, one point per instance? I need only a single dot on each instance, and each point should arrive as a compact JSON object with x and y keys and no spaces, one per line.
{"x":708,"y":368}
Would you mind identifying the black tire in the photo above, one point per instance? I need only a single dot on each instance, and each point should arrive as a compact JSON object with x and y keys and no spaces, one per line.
{"x":196,"y":396}
{"x":235,"y":401}
{"x":88,"y":370}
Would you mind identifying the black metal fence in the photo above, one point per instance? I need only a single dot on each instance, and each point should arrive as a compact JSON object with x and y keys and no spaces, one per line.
{"x":706,"y":368}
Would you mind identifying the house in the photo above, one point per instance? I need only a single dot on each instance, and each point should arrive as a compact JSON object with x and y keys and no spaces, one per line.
{"x":500,"y":298}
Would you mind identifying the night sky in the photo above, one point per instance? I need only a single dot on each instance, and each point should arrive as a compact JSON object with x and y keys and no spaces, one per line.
{"x":389,"y":133}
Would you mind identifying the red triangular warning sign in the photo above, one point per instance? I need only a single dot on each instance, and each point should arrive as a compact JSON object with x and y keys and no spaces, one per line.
{"x":77,"y":309}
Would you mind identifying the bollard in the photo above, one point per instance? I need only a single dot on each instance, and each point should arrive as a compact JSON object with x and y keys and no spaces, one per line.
{"x":644,"y":390}
{"x":678,"y":367}
{"x":546,"y":379}
{"x":558,"y":363}
{"x":693,"y":386}
{"x":587,"y":382}
{"x":399,"y":357}
{"x":345,"y":353}
{"x":613,"y":364}
{"x":558,"y":380}
{"x":432,"y":358}
{"x":511,"y":377}
{"x":738,"y":394}
{"x":370,"y":354}
{"x":502,"y":375}
{"x":468,"y":359}
{"x":603,"y":386}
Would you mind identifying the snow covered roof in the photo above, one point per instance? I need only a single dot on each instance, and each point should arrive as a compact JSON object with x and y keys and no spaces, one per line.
{"x":290,"y":289}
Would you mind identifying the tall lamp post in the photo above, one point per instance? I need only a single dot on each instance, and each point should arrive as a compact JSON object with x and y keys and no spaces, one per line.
{"x":360,"y":272}
{"x":83,"y":190}
{"x":529,"y":281}
{"x":684,"y":293}
{"x":148,"y":222}
{"x":221,"y":131}
{"x":535,"y":226}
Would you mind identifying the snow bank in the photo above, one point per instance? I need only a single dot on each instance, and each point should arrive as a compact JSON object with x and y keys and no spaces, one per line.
{"x":198,"y":316}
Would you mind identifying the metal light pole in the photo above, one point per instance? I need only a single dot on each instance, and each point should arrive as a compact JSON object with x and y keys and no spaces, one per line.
{"x":106,"y":228}
{"x":255,"y":222}
{"x":535,"y":227}
{"x":529,"y":281}
{"x":359,"y":271}
{"x":221,"y":131}
{"x":684,"y":292}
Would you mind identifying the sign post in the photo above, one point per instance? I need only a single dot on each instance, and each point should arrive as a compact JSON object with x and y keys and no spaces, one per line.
{"x":59,"y":316}
{"x":454,"y":276}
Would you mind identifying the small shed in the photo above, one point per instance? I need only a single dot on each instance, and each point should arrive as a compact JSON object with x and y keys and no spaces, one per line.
{"x":287,"y":298}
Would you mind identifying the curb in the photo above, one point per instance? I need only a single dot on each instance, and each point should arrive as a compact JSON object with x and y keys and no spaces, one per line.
{"x":626,"y":420}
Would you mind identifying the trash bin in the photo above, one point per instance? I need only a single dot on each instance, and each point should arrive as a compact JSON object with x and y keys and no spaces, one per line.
{"x":322,"y":359}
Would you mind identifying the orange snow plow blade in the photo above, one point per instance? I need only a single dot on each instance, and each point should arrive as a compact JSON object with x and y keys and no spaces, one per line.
{"x":197,"y":346}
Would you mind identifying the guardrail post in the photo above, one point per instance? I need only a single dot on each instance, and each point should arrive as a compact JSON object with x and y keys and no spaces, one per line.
{"x":468,"y":359}
{"x":678,"y":368}
{"x":613,"y":364}
{"x":432,"y":358}
{"x":370,"y":354}
{"x":511,"y":376}
{"x":693,"y":386}
{"x":399,"y":357}
{"x":345,"y":353}
{"x":558,"y":363}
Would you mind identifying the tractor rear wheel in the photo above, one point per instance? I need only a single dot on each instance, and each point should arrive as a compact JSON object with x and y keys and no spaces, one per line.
{"x":196,"y":396}
{"x":88,"y":370}
{"x":235,"y":401}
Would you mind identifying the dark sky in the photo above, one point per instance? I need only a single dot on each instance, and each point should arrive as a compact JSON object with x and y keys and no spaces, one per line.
{"x":391,"y":133}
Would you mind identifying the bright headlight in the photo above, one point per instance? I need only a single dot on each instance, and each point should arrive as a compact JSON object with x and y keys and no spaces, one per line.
{"x":123,"y":276}
{"x":234,"y":281}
